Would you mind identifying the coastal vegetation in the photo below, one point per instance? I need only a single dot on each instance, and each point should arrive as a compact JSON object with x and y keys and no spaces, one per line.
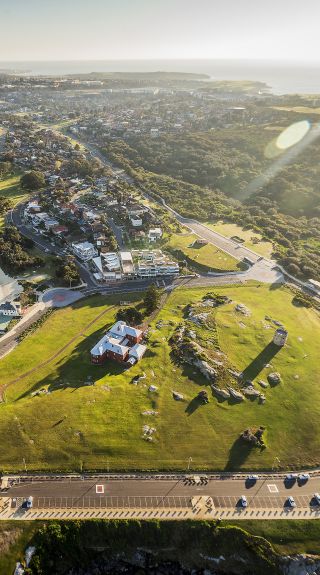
{"x":222,"y":176}
{"x":71,"y":545}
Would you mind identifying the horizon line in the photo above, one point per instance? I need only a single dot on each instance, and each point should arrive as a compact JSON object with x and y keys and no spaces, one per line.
{"x":164,"y":59}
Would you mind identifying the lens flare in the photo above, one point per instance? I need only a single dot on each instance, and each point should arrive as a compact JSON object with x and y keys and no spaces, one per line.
{"x":294,"y":140}
{"x":288,"y":138}
{"x":293,"y":134}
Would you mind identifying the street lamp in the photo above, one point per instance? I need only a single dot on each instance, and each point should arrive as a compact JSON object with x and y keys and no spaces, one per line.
{"x":275,"y":461}
{"x":189,"y":461}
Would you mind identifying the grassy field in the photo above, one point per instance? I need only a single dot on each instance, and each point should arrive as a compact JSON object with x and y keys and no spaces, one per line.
{"x":208,"y":256}
{"x":252,"y":240}
{"x":9,"y":188}
{"x":78,"y":425}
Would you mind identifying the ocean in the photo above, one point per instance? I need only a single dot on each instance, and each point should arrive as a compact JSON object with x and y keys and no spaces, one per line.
{"x":281,"y":77}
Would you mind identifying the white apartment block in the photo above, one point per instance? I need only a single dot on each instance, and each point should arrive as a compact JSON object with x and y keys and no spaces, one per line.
{"x":84,"y":250}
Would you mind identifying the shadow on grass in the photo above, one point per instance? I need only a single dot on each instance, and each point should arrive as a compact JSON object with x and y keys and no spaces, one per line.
{"x":257,"y":365}
{"x":275,"y":285}
{"x":193,"y":405}
{"x":238,"y":454}
{"x":76,"y":370}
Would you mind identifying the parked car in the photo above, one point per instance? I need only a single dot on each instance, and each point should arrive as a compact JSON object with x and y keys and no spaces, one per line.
{"x":316,"y":498}
{"x":291,"y":502}
{"x":291,"y":477}
{"x":29,"y":502}
{"x":252,"y":478}
{"x":303,"y":477}
{"x":243,"y":501}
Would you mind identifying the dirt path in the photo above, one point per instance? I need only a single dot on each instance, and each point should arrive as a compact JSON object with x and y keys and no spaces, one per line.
{"x":52,"y":357}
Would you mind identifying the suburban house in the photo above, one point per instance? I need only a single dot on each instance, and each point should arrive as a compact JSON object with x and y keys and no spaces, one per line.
{"x":121,"y":343}
{"x":84,"y":250}
{"x":154,"y":234}
{"x":136,"y":221}
{"x":10,"y":309}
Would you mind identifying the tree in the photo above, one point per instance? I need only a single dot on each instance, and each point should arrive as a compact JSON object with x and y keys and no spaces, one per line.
{"x":151,"y":298}
{"x":5,"y":205}
{"x":67,"y":271}
{"x":5,"y":168}
{"x":33,"y":180}
{"x":131,"y":315}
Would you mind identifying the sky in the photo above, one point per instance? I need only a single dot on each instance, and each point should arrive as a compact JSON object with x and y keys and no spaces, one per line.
{"x":159,"y":29}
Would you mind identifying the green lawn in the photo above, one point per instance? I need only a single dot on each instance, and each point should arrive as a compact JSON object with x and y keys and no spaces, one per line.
{"x":252,"y":240}
{"x":77,"y":425}
{"x":10,"y":188}
{"x":208,"y":257}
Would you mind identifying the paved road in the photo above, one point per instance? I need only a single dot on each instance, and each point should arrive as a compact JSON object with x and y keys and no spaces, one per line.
{"x":269,"y":493}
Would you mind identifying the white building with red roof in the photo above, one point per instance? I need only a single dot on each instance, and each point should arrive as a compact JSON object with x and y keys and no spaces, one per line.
{"x":121,"y":343}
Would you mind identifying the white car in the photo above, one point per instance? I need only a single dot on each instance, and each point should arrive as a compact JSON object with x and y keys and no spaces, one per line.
{"x":291,"y":502}
{"x":29,"y":502}
{"x":243,"y":501}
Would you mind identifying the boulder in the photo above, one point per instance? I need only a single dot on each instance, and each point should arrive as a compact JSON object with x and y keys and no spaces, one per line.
{"x":153,"y":388}
{"x":263,"y":383}
{"x":177,"y":396}
{"x":274,"y":378}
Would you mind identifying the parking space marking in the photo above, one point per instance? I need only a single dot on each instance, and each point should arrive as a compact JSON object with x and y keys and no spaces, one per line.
{"x":272,"y":488}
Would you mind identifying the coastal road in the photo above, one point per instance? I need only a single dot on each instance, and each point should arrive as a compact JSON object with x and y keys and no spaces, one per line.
{"x":267,"y":497}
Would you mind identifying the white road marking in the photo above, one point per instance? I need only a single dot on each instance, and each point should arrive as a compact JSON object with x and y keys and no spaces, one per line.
{"x":272,"y":488}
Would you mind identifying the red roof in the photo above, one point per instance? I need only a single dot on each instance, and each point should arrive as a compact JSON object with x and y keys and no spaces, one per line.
{"x":59,"y":229}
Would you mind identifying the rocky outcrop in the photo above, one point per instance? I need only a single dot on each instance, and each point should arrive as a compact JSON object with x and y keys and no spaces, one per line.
{"x":300,"y":565}
{"x":206,"y":369}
